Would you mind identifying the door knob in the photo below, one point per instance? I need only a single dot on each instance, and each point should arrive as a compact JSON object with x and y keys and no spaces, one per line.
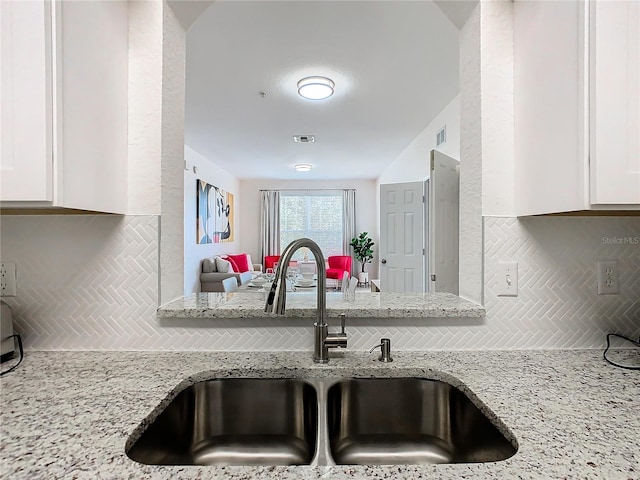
{"x":383,"y":261}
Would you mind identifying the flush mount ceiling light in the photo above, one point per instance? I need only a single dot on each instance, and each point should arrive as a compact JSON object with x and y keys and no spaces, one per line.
{"x":316,"y":88}
{"x":302,"y":167}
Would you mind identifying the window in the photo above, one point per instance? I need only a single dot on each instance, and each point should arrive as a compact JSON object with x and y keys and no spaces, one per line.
{"x":317,"y":216}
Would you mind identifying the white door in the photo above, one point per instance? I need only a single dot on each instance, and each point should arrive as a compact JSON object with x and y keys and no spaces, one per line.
{"x":444,"y":199}
{"x":401,"y":238}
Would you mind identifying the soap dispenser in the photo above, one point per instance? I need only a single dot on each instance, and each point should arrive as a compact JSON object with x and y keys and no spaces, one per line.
{"x":385,"y":350}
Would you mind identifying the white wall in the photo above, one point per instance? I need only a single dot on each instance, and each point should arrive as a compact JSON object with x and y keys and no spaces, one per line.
{"x":463,"y":117}
{"x":498,"y":172}
{"x":208,"y":171}
{"x":172,"y":151}
{"x":471,"y":234}
{"x":145,"y":107}
{"x":366,"y":212}
{"x":413,"y":163}
{"x":156,"y":132}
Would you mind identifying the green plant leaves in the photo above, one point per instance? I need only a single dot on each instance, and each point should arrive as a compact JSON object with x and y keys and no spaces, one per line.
{"x":362,"y":248}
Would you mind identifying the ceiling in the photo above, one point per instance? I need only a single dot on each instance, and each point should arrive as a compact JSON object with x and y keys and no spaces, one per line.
{"x":394,"y":64}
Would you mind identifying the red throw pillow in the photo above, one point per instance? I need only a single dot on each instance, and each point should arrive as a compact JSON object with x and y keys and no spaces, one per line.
{"x":240,"y":262}
{"x":234,"y":266}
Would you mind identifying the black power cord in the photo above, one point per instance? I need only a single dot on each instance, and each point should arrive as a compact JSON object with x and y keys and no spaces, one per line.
{"x":604,"y":355}
{"x":21,"y":355}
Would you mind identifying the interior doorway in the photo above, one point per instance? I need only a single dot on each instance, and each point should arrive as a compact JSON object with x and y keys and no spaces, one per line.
{"x":419,"y":225}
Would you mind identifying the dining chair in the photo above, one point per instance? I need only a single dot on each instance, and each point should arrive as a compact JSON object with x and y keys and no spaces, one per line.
{"x":230,"y":284}
{"x":270,"y":261}
{"x":338,"y":265}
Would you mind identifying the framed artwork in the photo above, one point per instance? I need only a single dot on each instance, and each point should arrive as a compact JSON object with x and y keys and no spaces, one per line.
{"x":214,"y":214}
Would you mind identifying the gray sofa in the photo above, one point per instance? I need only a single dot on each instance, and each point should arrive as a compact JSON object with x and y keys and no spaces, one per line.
{"x":211,"y":279}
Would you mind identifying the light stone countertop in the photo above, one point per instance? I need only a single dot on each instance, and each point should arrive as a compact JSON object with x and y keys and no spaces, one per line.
{"x":246,"y":304}
{"x":69,"y":414}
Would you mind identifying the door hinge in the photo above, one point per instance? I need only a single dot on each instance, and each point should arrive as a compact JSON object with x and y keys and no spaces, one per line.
{"x":424,"y":251}
{"x":433,"y":278}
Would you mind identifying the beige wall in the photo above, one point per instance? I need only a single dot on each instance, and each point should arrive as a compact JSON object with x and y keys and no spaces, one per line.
{"x":366,"y":213}
{"x":209,"y":171}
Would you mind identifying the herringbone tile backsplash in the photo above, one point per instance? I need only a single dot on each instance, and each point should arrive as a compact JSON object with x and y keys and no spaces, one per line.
{"x":91,"y":283}
{"x":84,"y":282}
{"x":557,"y":304}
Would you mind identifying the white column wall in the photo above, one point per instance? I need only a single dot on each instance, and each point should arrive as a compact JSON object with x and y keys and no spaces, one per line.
{"x":496,"y":54}
{"x":172,"y":199}
{"x":145,"y":107}
{"x":471,"y":227}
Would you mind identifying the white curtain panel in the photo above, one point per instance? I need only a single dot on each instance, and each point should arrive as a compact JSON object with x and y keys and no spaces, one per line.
{"x":348,"y":222}
{"x":270,"y":223}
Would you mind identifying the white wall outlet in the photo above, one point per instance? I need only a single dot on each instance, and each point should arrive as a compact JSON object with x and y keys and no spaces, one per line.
{"x":607,"y":277}
{"x":8,"y":279}
{"x":507,"y":279}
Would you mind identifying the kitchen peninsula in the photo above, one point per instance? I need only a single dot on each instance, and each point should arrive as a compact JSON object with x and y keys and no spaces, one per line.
{"x":303,"y":305}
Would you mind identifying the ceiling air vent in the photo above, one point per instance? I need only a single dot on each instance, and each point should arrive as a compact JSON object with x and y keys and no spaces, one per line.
{"x":441,"y":136}
{"x":304,"y":138}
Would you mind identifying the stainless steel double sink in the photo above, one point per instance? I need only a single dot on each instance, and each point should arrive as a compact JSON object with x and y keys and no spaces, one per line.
{"x":319,"y":421}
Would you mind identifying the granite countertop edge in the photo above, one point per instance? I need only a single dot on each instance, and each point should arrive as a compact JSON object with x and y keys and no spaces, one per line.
{"x":243,"y":305}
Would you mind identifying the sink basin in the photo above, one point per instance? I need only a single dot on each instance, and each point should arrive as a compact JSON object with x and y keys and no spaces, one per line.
{"x":380,"y":421}
{"x":234,"y":422}
{"x":319,"y":421}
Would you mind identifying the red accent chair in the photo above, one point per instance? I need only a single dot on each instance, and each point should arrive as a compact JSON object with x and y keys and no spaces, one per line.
{"x":270,"y":260}
{"x":338,"y":264}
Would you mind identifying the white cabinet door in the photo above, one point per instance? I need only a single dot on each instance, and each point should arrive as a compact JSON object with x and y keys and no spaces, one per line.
{"x":577,"y":106}
{"x":92,"y":104}
{"x":550,"y":107}
{"x":64,"y":95}
{"x":615,"y":102}
{"x":26,"y":154}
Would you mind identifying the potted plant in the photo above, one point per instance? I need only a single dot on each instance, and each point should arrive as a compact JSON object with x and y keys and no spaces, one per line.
{"x":363,"y":252}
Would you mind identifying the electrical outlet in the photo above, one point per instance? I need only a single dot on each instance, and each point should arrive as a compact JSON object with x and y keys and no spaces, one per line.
{"x":8,"y":279}
{"x":507,"y":279}
{"x":607,"y":277}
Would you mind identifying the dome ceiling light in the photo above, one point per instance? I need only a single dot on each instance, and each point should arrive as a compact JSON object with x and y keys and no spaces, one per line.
{"x":316,"y":88}
{"x":303,"y":167}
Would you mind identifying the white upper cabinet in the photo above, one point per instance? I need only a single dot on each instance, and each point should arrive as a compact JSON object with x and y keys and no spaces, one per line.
{"x":576,"y":104}
{"x":614,"y":48}
{"x":26,"y":161}
{"x":64,"y":104}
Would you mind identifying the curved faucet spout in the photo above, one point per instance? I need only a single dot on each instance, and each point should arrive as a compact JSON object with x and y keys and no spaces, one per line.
{"x":276,"y":300}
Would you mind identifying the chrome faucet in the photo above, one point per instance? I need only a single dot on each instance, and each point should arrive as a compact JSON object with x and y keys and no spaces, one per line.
{"x":276,"y":300}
